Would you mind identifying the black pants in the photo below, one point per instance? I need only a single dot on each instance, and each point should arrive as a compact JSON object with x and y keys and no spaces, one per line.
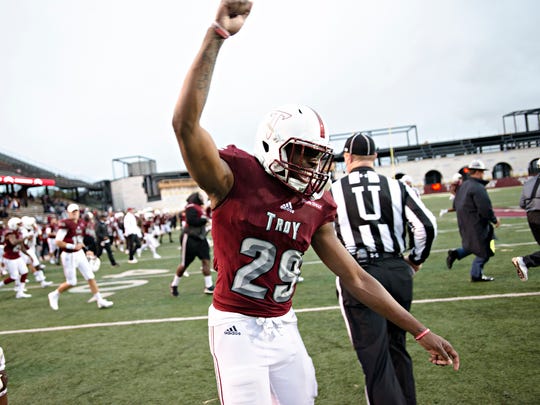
{"x":533,"y":260}
{"x":133,"y":243}
{"x":107,"y":248}
{"x":379,"y":344}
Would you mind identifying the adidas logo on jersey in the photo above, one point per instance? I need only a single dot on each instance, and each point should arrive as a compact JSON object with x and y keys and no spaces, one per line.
{"x":232,"y":331}
{"x":287,"y":207}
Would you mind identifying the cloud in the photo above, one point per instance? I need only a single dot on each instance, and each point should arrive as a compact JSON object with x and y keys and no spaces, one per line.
{"x":85,"y":83}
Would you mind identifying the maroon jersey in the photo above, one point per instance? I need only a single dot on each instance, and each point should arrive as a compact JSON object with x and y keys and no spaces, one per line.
{"x":75,"y":232}
{"x":11,"y":251}
{"x":260,"y":232}
{"x":50,"y":230}
{"x":147,"y":226}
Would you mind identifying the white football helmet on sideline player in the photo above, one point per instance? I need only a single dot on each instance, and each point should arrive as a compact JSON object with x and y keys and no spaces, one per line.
{"x":28,"y":222}
{"x":14,"y":223}
{"x":295,"y":130}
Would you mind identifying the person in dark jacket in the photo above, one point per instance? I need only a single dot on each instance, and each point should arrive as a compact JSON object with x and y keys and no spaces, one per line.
{"x":104,"y":238}
{"x":530,"y":202}
{"x":475,"y":221}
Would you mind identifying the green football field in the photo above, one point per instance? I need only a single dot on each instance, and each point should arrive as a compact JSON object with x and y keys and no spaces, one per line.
{"x":152,"y":348}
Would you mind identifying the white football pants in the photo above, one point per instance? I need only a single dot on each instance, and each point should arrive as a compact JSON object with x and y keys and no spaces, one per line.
{"x":260,"y":361}
{"x":73,"y":261}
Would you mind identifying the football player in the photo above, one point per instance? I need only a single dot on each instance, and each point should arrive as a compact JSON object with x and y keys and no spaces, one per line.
{"x":3,"y":379}
{"x":50,"y":235}
{"x":194,"y":244}
{"x":69,"y":239}
{"x":267,"y":210}
{"x":30,"y":232}
{"x":15,"y":262}
{"x":150,"y":241}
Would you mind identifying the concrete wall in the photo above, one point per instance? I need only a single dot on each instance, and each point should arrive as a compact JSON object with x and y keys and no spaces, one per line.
{"x":129,"y":192}
{"x":518,"y":159}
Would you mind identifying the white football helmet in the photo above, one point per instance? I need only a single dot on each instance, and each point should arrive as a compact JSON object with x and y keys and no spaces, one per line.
{"x":28,"y":222}
{"x":287,"y":137}
{"x":148,"y":216}
{"x":14,"y":223}
{"x":95,"y":263}
{"x":456,"y":177}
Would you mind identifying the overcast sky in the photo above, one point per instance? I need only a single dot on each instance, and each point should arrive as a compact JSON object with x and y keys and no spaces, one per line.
{"x":86,"y":82}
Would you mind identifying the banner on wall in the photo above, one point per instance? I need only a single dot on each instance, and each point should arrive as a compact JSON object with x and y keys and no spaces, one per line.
{"x":26,"y":181}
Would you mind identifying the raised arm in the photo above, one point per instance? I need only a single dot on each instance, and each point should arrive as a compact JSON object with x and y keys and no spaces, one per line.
{"x":370,"y":292}
{"x":197,"y":146}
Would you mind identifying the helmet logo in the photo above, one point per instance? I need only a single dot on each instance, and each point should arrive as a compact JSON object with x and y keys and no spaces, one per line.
{"x":276,"y":116}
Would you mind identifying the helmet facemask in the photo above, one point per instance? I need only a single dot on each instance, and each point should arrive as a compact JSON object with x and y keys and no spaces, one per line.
{"x":303,"y":166}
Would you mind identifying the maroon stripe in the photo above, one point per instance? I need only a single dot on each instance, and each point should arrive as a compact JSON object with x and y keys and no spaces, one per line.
{"x":321,"y":124}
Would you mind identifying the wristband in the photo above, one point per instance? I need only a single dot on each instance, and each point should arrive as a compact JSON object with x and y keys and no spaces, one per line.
{"x":222,"y":32}
{"x":422,"y":334}
{"x":70,"y":246}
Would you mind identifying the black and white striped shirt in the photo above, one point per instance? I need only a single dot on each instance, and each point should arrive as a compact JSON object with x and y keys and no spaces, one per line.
{"x":375,"y":211}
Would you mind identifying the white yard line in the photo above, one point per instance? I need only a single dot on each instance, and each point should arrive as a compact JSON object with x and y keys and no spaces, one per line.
{"x":198,"y":318}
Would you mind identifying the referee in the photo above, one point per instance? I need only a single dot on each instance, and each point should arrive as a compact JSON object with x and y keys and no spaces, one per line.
{"x":374,"y":213}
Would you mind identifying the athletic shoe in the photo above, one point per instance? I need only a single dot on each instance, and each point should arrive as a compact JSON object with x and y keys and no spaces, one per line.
{"x":481,"y":279}
{"x":174,"y":290}
{"x":451,"y":258}
{"x":156,"y":256}
{"x":132,"y":261}
{"x":53,"y":300}
{"x":521,"y":268}
{"x":103,"y":303}
{"x":443,"y":212}
{"x":21,"y":294}
{"x":209,"y":290}
{"x":46,"y":283}
{"x":186,"y":273}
